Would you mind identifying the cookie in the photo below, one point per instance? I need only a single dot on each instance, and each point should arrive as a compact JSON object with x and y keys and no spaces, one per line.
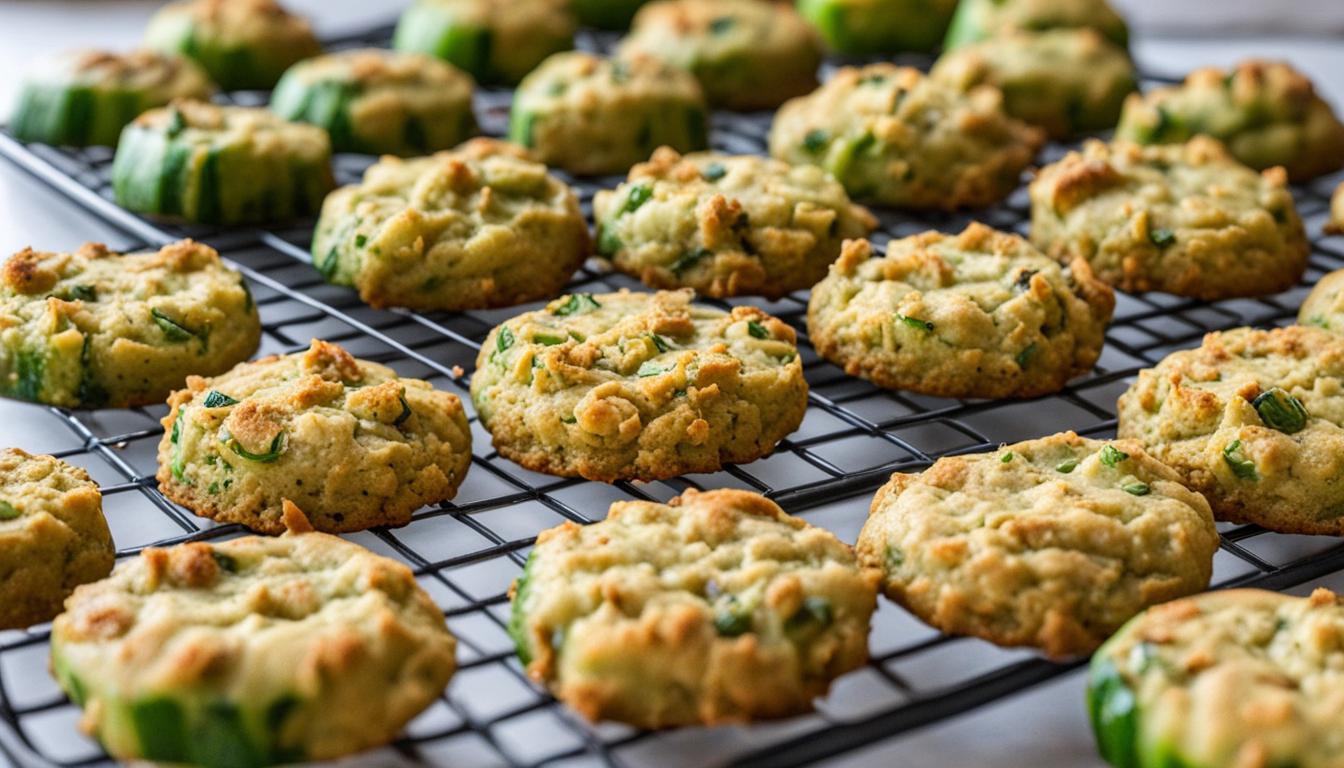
{"x":53,"y":536}
{"x":715,"y":608}
{"x":980,"y":314}
{"x":985,"y":19}
{"x":1066,"y":81}
{"x":892,"y":135}
{"x":1051,"y":543}
{"x":871,"y":27}
{"x":1254,"y":420}
{"x":496,"y":41}
{"x":604,"y":14}
{"x":1324,"y":306}
{"x":1267,"y":113}
{"x":481,"y":226}
{"x":590,"y":115}
{"x":354,"y":444}
{"x":251,"y":652}
{"x":1242,"y":677}
{"x":211,"y":164}
{"x":626,"y":386}
{"x":379,"y":102}
{"x":85,"y":98}
{"x":1335,"y":225}
{"x":94,"y":329}
{"x":747,"y":54}
{"x":242,"y":44}
{"x":1186,"y":219}
{"x":726,"y":225}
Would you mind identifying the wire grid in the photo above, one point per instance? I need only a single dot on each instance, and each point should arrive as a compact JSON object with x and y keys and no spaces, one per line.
{"x":466,"y":553}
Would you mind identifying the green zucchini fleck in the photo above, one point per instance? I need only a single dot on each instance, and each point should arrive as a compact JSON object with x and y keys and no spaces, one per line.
{"x":757,"y":330}
{"x":518,"y":614}
{"x":1110,"y":455}
{"x":814,"y":614}
{"x":1066,"y":466}
{"x":816,"y":140}
{"x":549,"y":339}
{"x":688,"y":260}
{"x":271,"y":454}
{"x":1241,"y":466}
{"x":714,"y":171}
{"x":1114,"y":712}
{"x":405,"y":411}
{"x":8,"y":511}
{"x":1280,"y":410}
{"x":660,"y":343}
{"x":219,"y":739}
{"x":216,"y":399}
{"x":172,"y":330}
{"x":1162,"y":237}
{"x":914,"y":322}
{"x":732,"y":621}
{"x":1137,"y":489}
{"x":649,"y":368}
{"x":504,"y":339}
{"x":161,"y":728}
{"x":177,"y":466}
{"x":577,"y":304}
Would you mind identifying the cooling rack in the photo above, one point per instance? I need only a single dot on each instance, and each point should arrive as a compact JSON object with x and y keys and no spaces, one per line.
{"x":465,"y":553}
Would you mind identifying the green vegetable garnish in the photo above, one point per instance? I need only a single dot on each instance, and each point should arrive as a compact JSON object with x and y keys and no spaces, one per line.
{"x":714,"y":171}
{"x":815,"y":612}
{"x":177,"y":466}
{"x":1110,"y":455}
{"x":1066,"y":466}
{"x":816,"y":140}
{"x":916,"y":323}
{"x":660,"y":343}
{"x":688,"y":260}
{"x":1241,"y":466}
{"x":549,"y":339}
{"x":216,"y":399}
{"x":1162,"y":237}
{"x":405,"y":412}
{"x":578,"y":304}
{"x":271,"y":454}
{"x":757,"y":330}
{"x":8,"y":511}
{"x":731,"y":622}
{"x":504,"y":340}
{"x":1023,"y":357}
{"x":81,"y":293}
{"x":172,"y":329}
{"x":649,"y":368}
{"x":225,"y":562}
{"x":1280,"y":410}
{"x":1138,"y":489}
{"x":721,"y":25}
{"x":1006,"y":458}
{"x":638,"y":196}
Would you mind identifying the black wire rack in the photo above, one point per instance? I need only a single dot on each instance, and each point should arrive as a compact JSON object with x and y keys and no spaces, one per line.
{"x":466,"y":553}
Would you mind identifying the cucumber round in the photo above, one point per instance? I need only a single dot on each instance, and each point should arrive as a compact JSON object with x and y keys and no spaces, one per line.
{"x":85,"y":98}
{"x":379,"y":102}
{"x":242,"y":44}
{"x":496,"y":42}
{"x":212,"y":164}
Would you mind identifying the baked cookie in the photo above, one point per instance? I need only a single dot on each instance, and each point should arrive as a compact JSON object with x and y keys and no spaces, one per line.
{"x":348,"y":439}
{"x":604,"y":14}
{"x":53,"y":536}
{"x":94,"y":329}
{"x":1067,"y":81}
{"x":482,"y":226}
{"x":891,"y":134}
{"x":984,"y":19}
{"x":85,"y":98}
{"x":212,"y":164}
{"x":625,"y":386}
{"x":715,"y":608}
{"x":747,"y":54}
{"x":1324,"y":306}
{"x":870,"y":27}
{"x":251,"y":652}
{"x":1266,"y":112}
{"x":379,"y":102}
{"x":241,"y":43}
{"x":1242,"y":677}
{"x":980,"y":314}
{"x":496,"y":41}
{"x":1254,"y":420}
{"x":590,"y":115}
{"x":1052,"y":543}
{"x":726,"y":225}
{"x":1186,"y":219}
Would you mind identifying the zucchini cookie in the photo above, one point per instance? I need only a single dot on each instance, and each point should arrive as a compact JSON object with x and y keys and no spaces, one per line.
{"x":251,"y":652}
{"x":53,"y":536}
{"x":626,"y":386}
{"x":1052,"y":543}
{"x":1067,"y":81}
{"x":1266,"y":112}
{"x":355,"y":444}
{"x":893,"y":135}
{"x":591,"y":116}
{"x":871,"y":27}
{"x":482,"y":226}
{"x":379,"y":102}
{"x":1254,"y":420}
{"x":242,"y":44}
{"x":980,"y":314}
{"x":86,"y":97}
{"x":726,"y":225}
{"x":1235,"y":678}
{"x":1324,"y":306}
{"x":212,"y":164}
{"x":94,"y":329}
{"x":496,"y":41}
{"x":984,"y":19}
{"x":1186,"y":219}
{"x":714,"y":608}
{"x":747,"y":54}
{"x":604,"y":14}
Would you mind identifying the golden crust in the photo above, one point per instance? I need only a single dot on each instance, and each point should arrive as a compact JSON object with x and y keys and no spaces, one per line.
{"x":716,"y":608}
{"x":1052,"y":543}
{"x":1194,"y":411}
{"x":638,"y":386}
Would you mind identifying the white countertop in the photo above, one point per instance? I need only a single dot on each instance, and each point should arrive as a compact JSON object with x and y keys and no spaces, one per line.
{"x":1045,"y":726}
